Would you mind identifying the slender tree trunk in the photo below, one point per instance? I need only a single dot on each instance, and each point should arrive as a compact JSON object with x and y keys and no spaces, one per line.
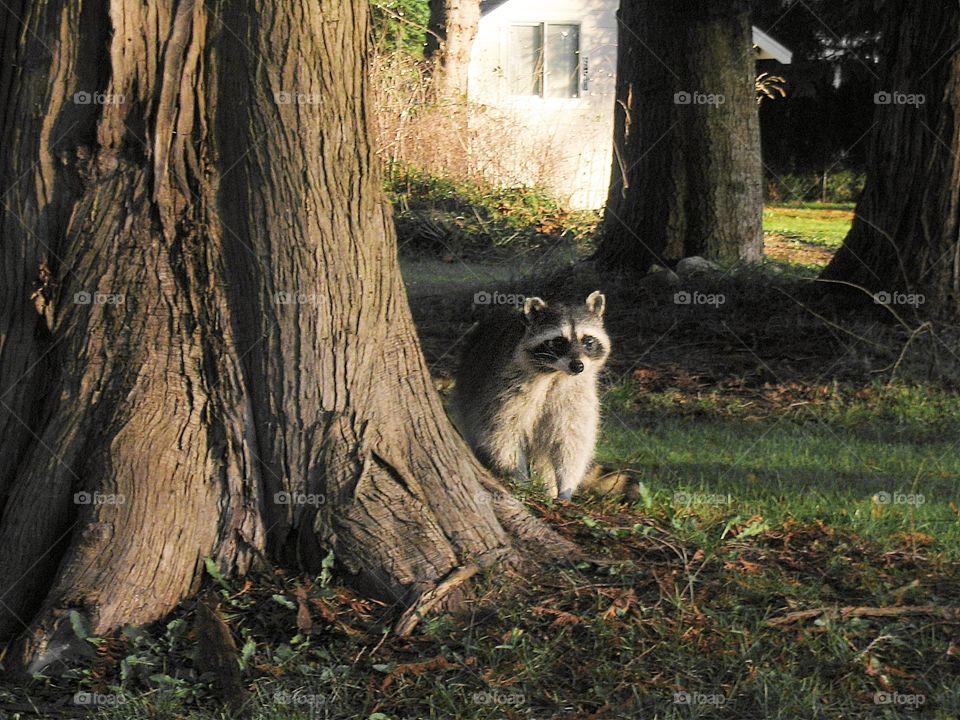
{"x":686,"y":174}
{"x":453,"y":27}
{"x":218,"y":360}
{"x":905,"y":238}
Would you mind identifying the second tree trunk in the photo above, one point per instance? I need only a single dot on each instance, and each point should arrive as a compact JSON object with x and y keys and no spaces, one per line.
{"x":686,"y":176}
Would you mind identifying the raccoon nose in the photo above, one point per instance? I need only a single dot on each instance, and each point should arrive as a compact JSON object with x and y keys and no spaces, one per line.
{"x":576,"y":367}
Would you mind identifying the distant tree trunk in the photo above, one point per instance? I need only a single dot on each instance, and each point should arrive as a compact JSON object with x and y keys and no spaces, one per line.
{"x":218,"y":359}
{"x":453,"y":27}
{"x":905,"y":237}
{"x":686,"y":174}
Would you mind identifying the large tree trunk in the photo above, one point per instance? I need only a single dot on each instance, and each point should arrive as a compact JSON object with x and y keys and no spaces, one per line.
{"x":686,"y":176}
{"x":905,"y":239}
{"x":453,"y":27}
{"x":219,"y":322}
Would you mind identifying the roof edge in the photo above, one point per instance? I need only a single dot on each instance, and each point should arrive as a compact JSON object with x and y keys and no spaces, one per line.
{"x":770,"y":47}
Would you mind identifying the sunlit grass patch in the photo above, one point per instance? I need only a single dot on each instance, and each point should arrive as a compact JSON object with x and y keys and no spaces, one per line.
{"x":880,"y":461}
{"x":814,"y":223}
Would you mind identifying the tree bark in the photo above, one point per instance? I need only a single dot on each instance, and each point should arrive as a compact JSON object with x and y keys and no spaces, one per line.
{"x":205,"y":345}
{"x":905,"y":238}
{"x":686,"y":176}
{"x":453,"y":27}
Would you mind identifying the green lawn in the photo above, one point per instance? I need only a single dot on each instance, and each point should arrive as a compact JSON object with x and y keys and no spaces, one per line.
{"x":824,"y":224}
{"x":881,"y":463}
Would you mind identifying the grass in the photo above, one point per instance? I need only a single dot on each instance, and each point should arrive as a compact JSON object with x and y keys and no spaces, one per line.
{"x":802,"y":236}
{"x":881,"y":462}
{"x":812,"y":205}
{"x":673,"y":620}
{"x":781,"y":446}
{"x":813,"y":223}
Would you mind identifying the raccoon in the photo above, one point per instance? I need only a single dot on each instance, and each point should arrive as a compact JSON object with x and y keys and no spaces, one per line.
{"x":526,"y":390}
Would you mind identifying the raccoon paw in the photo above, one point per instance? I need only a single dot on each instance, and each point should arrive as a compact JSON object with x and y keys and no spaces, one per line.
{"x":565,"y":494}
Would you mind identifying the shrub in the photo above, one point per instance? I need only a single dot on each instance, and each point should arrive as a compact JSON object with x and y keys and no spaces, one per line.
{"x":444,"y":217}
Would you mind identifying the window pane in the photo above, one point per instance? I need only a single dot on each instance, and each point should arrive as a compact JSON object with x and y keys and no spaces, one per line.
{"x":526,"y":59}
{"x":563,"y":61}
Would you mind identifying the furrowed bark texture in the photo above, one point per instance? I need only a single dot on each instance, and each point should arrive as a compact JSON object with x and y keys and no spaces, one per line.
{"x":905,"y":236}
{"x":206,"y":348}
{"x":686,"y":174}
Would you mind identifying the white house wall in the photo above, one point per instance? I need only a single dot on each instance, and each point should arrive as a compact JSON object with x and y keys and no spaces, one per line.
{"x":563,"y":143}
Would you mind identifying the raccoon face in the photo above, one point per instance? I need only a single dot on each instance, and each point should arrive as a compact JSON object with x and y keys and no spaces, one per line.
{"x":567,"y":339}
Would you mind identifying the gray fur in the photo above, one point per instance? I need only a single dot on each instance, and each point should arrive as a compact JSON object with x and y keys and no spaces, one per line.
{"x":519,"y":401}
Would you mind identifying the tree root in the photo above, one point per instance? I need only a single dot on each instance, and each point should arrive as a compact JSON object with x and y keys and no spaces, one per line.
{"x":431,"y":598}
{"x":533,"y":537}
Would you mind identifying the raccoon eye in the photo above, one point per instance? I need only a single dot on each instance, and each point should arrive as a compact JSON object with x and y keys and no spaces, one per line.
{"x":589,"y":342}
{"x":558,"y":345}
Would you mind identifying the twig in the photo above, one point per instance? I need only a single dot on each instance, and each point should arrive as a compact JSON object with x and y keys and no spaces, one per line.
{"x":945,"y":613}
{"x":903,"y":353}
{"x":431,"y":598}
{"x":869,"y":294}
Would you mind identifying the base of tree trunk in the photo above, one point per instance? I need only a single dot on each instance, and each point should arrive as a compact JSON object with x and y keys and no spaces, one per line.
{"x":230,"y":368}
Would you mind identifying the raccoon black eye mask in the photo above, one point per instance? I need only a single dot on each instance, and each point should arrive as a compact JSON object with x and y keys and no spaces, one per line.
{"x":526,"y":390}
{"x":547,"y":354}
{"x":551,"y":350}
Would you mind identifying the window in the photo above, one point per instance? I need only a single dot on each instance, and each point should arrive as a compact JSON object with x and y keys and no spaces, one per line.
{"x":545,"y":60}
{"x":526,"y":60}
{"x":563,"y":61}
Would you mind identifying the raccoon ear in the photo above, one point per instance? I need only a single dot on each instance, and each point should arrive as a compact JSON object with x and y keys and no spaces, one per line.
{"x":532,"y":306}
{"x":596,"y":303}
